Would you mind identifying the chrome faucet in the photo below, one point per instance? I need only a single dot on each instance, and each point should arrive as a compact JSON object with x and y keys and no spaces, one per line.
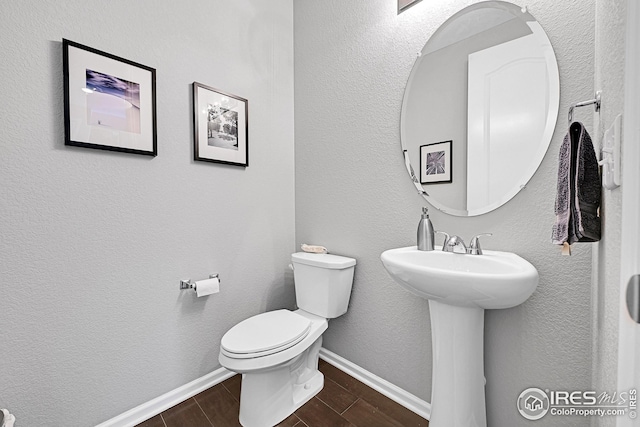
{"x":452,"y":242}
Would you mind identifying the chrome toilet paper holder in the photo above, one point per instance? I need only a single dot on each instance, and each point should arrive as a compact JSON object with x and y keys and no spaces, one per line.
{"x":188,"y":284}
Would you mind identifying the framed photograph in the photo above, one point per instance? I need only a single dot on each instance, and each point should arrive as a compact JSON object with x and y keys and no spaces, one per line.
{"x":221,"y":126}
{"x":109,"y":102}
{"x":406,"y":4}
{"x":435,"y":163}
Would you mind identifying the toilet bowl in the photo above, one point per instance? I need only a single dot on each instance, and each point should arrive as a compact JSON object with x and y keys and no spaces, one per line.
{"x":277,"y":352}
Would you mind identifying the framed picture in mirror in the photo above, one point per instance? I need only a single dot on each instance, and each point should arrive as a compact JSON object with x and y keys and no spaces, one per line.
{"x":406,"y":4}
{"x":435,"y":163}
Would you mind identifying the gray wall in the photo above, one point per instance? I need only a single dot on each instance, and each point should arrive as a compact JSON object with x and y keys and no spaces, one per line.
{"x":609,"y":77}
{"x":94,"y":243}
{"x":352,"y":60}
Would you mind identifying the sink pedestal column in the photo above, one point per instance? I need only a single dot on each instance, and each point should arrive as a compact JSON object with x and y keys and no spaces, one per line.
{"x":457,"y":391}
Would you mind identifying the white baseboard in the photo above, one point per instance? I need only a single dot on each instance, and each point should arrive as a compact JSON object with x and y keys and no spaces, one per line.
{"x":383,"y":386}
{"x":153,"y":407}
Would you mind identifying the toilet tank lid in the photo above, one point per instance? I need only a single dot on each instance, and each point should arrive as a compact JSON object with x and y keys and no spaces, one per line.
{"x":323,"y":260}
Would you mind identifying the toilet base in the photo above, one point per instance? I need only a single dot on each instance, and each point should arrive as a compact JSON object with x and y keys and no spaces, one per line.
{"x":269,"y":397}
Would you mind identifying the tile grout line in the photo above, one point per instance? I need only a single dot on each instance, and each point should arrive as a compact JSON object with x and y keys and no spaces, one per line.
{"x":163,"y":421}
{"x":204,"y":413}
{"x":349,"y":407}
{"x":330,"y":407}
{"x":348,"y":391}
{"x":293,"y":425}
{"x":229,"y":391}
{"x":377,"y":410}
{"x":343,"y":388}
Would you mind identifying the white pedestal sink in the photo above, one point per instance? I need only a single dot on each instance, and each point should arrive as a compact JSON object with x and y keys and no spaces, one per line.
{"x":459,"y":288}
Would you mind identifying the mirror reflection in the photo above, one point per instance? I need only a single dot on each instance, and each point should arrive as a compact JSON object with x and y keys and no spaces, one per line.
{"x":480,"y":108}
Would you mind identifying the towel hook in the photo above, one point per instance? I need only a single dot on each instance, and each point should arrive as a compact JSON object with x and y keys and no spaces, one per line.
{"x":596,"y":102}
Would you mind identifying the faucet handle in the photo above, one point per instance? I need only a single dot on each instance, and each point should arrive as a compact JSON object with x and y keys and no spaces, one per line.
{"x":446,"y":238}
{"x":474,"y":245}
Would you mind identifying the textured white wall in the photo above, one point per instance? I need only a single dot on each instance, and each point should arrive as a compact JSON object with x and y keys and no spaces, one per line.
{"x":609,"y":77}
{"x":94,"y":243}
{"x":352,"y":60}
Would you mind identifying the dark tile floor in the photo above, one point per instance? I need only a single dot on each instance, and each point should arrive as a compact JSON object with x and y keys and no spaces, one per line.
{"x":343,"y":402}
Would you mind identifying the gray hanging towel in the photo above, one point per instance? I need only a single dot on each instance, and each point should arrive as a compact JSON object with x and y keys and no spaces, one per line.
{"x":579,"y":190}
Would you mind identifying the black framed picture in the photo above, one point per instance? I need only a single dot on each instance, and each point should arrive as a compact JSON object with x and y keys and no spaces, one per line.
{"x":435,"y":163}
{"x":221,"y":126}
{"x":406,"y":4}
{"x":109,"y":102}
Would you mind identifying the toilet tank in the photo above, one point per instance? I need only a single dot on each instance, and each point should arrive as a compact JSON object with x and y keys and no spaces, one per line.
{"x":323,"y":283}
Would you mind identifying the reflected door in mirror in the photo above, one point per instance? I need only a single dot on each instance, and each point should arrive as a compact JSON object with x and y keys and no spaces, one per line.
{"x":507,"y":98}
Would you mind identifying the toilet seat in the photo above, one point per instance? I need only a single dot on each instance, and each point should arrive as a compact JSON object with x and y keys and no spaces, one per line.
{"x":232,"y":362}
{"x":265,"y":334}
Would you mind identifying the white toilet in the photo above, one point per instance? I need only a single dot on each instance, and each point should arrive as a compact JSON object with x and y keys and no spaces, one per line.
{"x":277,"y":352}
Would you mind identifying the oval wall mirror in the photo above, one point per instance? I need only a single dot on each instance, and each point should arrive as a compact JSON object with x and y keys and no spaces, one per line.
{"x":480,"y":108}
